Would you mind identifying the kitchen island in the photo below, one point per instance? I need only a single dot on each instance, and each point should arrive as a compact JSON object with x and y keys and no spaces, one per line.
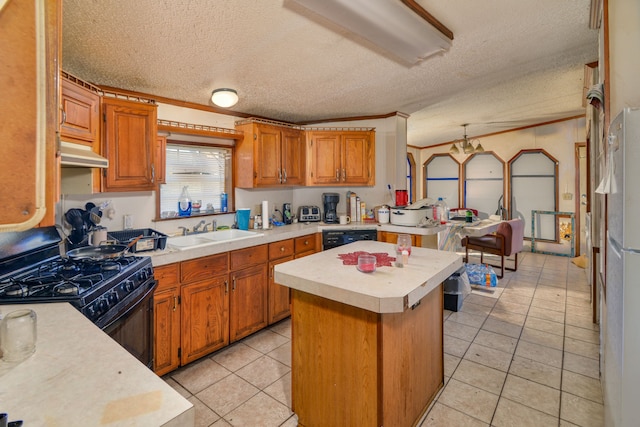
{"x":79,"y":376}
{"x":366,"y":347}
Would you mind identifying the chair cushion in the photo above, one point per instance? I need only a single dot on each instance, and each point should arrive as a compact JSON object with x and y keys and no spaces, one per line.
{"x":488,"y":241}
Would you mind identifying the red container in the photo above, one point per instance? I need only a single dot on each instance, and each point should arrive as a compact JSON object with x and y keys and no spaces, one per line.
{"x":402,"y":198}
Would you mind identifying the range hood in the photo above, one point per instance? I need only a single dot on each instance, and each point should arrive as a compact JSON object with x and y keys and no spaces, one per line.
{"x":76,"y":155}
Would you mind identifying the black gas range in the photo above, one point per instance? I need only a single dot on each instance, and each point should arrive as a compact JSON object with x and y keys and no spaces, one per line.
{"x":115,"y":294}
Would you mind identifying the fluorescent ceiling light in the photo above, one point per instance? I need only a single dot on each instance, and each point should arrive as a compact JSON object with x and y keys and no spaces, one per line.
{"x":402,"y":28}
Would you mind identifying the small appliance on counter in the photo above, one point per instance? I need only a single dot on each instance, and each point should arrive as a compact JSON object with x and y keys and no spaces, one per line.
{"x":411,"y":215}
{"x":309,"y":214}
{"x":287,"y":215}
{"x":330,"y":204}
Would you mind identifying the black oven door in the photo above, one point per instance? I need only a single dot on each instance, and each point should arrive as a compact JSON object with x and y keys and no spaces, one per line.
{"x":133,"y":327}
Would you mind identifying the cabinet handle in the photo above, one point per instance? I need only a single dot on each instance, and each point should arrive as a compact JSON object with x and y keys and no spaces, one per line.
{"x":64,"y":117}
{"x":153,"y":173}
{"x":337,"y":174}
{"x":271,"y":272}
{"x":233,"y":288}
{"x":344,"y":174}
{"x":226,"y":287}
{"x":284,"y":176}
{"x":306,"y":242}
{"x":175,"y":303}
{"x":279,"y":176}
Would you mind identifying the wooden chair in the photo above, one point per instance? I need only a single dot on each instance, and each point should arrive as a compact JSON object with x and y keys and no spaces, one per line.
{"x":506,"y":241}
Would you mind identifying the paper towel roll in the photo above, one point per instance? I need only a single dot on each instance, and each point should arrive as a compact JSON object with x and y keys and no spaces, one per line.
{"x":265,"y":214}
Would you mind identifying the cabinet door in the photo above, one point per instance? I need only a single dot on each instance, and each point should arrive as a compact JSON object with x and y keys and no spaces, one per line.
{"x":29,"y":34}
{"x":80,"y":113}
{"x":267,"y":166}
{"x":204,"y":317}
{"x":130,"y":145}
{"x":293,"y":158}
{"x":166,"y":330}
{"x":248,"y":301}
{"x":356,"y":158}
{"x":325,"y":155}
{"x":279,"y":296}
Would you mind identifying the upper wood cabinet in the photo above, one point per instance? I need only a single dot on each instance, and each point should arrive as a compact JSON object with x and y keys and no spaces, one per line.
{"x":80,"y":105}
{"x":30,"y":34}
{"x":338,"y":158}
{"x":269,"y":156}
{"x":129,"y":142}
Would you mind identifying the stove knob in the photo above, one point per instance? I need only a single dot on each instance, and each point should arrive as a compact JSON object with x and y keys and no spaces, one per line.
{"x":127,"y":286}
{"x":143,"y":275}
{"x":112,"y":298}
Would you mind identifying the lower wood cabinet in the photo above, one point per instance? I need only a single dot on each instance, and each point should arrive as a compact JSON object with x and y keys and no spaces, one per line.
{"x":202,"y":305}
{"x":205,"y":318}
{"x":166,"y":312}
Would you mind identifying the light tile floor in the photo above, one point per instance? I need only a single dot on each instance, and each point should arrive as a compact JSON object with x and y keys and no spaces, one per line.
{"x":522,"y":354}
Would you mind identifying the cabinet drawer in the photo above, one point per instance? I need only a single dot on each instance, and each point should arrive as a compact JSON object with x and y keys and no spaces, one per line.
{"x":167,"y":276}
{"x":205,"y":267}
{"x":305,"y":243}
{"x":243,"y":258}
{"x":280,"y":249}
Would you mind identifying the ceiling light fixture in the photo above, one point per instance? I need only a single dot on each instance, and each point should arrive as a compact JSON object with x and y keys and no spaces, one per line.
{"x":224,"y":97}
{"x":402,"y":28}
{"x":466,"y":145}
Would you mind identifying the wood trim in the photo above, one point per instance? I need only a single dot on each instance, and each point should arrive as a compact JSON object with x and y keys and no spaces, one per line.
{"x":203,"y":130}
{"x":503,"y":131}
{"x":421,"y":12}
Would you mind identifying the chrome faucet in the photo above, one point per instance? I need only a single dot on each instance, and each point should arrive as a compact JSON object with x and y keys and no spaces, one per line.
{"x":185,"y":230}
{"x":196,"y":228}
{"x":213,"y":226}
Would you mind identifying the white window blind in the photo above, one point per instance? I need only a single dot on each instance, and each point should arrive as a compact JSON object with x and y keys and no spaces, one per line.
{"x":205,"y":170}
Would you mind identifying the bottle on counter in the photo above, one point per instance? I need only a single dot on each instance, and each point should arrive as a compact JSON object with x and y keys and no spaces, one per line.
{"x":223,"y":202}
{"x":444,"y":211}
{"x":184,"y":202}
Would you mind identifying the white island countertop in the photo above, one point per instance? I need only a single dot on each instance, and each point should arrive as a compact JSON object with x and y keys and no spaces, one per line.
{"x":387,"y":290}
{"x":79,"y":376}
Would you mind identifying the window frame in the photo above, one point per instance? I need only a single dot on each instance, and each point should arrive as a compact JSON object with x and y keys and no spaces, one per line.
{"x":229,"y":182}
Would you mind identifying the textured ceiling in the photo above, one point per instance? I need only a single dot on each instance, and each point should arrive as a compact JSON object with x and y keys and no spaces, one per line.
{"x":512,"y":63}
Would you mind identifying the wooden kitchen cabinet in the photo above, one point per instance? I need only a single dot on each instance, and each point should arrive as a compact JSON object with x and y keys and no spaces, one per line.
{"x":279,"y":296}
{"x":205,"y":306}
{"x":248,"y":296}
{"x":307,"y":245}
{"x":339,"y":158}
{"x":30,"y":50}
{"x":417,"y":240}
{"x":129,"y":142}
{"x":166,"y":313}
{"x":269,"y":156}
{"x":80,"y":104}
{"x":205,"y":314}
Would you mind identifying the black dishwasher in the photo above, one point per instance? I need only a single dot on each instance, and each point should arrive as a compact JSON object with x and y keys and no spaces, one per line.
{"x":334,"y":238}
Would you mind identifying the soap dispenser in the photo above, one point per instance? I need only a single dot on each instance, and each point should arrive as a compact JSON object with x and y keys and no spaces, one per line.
{"x":184,"y":202}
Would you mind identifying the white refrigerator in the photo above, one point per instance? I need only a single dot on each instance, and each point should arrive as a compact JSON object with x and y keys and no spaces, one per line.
{"x":621,"y":333}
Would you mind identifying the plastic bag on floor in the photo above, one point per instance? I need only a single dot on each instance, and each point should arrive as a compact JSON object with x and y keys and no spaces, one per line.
{"x":478,"y":275}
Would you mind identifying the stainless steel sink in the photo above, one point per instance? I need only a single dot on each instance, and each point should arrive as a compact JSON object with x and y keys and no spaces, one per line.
{"x":206,"y":239}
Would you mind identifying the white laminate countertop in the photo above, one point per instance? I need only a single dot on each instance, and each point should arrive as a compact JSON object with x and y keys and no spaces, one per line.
{"x":387,"y":290}
{"x":79,"y":376}
{"x":170,"y":255}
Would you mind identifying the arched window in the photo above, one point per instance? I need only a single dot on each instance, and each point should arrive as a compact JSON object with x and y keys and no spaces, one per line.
{"x":442,"y":179}
{"x":483,"y":187}
{"x":533,"y":185}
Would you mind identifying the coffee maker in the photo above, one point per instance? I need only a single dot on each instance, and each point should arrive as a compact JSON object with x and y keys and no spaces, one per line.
{"x":330,"y":204}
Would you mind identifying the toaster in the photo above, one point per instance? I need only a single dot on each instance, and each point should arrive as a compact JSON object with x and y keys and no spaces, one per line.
{"x":309,"y":214}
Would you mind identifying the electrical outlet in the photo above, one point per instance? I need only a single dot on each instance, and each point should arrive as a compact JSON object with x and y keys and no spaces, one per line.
{"x":128,"y":222}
